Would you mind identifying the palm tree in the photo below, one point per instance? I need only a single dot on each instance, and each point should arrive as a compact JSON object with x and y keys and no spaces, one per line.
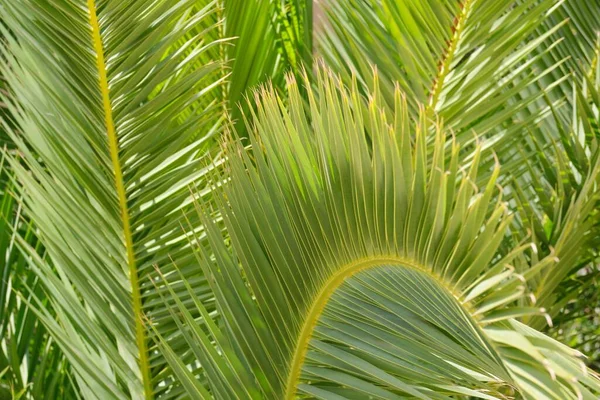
{"x":349,"y":240}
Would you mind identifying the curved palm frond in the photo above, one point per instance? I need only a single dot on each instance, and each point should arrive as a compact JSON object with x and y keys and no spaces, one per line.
{"x":364,"y":265}
{"x":549,"y":168}
{"x":361,"y":248}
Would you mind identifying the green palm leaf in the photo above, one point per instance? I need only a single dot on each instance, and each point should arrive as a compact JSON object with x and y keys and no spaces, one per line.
{"x":31,"y":365}
{"x":576,"y":44}
{"x":271,"y":38}
{"x":112,"y":131}
{"x":465,"y":61}
{"x":550,"y":175}
{"x":364,"y":266}
{"x":557,"y":191}
{"x":365,"y":245}
{"x":4,"y":115}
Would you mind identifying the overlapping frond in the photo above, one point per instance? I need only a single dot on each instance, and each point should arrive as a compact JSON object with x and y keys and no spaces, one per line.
{"x":465,"y":60}
{"x":31,"y":365}
{"x":509,"y":71}
{"x":361,"y":247}
{"x":572,"y":49}
{"x":116,"y":106}
{"x":556,"y":190}
{"x":271,"y":38}
{"x":4,"y":115}
{"x":363,"y":265}
{"x":576,"y":45}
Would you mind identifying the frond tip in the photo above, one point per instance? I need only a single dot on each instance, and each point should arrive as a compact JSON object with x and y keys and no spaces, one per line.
{"x":370,"y":264}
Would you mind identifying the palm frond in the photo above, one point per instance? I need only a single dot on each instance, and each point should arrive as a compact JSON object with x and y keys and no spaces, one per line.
{"x":353,"y":238}
{"x":271,"y":38}
{"x":556,"y":189}
{"x":525,"y":105}
{"x":572,"y":49}
{"x":4,"y":115}
{"x":363,"y":265}
{"x":112,"y":130}
{"x":31,"y":364}
{"x":464,"y":60}
{"x":576,"y":44}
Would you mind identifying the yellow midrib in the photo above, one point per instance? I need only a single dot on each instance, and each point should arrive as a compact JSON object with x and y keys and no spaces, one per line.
{"x":113,"y":145}
{"x":448,"y":57}
{"x":320,"y":302}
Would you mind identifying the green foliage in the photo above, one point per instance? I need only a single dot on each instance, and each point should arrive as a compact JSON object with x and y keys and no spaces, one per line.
{"x":270,"y":38}
{"x":403,"y":233}
{"x":368,"y":268}
{"x":117,"y":109}
{"x":521,"y":75}
{"x":578,"y":324}
{"x":463,"y":60}
{"x":31,"y":365}
{"x":564,"y":176}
